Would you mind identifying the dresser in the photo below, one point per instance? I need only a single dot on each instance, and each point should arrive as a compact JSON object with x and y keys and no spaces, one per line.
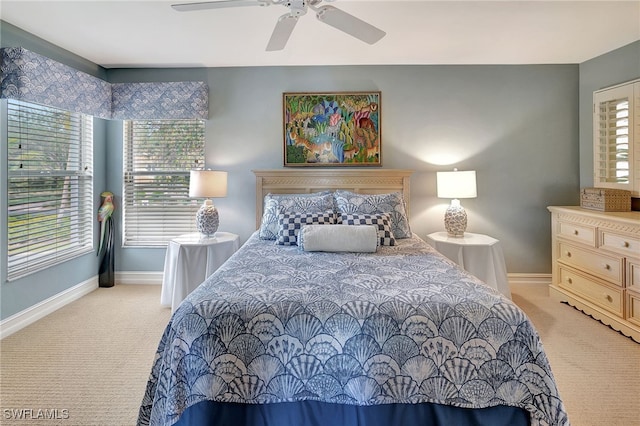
{"x":596,"y":265}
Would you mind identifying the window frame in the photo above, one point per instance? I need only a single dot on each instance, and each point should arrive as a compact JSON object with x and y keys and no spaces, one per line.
{"x":616,"y":139}
{"x":36,"y":240}
{"x":174,"y":215}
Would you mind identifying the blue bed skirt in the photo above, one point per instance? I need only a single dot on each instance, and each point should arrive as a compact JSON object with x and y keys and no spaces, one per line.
{"x":314,"y":413}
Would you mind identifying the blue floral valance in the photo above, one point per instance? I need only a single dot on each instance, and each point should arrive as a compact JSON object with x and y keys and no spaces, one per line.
{"x":31,"y":77}
{"x":28,"y":76}
{"x":188,"y":99}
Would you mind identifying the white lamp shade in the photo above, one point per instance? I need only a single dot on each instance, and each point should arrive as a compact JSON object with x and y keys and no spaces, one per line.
{"x":457,"y":184}
{"x":207,"y":184}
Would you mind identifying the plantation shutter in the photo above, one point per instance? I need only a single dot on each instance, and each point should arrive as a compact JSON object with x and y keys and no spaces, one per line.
{"x":50,"y":186}
{"x":158,"y":156}
{"x":612,"y":140}
{"x":616,"y":137}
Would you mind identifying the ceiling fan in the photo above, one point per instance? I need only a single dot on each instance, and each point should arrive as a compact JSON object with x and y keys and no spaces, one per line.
{"x":330,"y":15}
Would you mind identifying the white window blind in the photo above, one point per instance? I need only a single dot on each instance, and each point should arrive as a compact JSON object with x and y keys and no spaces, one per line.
{"x":158,"y":156}
{"x":50,"y":186}
{"x":612,"y":141}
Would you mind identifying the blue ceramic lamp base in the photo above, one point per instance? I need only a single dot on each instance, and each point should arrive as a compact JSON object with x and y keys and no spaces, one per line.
{"x":207,"y":219}
{"x":455,"y":219}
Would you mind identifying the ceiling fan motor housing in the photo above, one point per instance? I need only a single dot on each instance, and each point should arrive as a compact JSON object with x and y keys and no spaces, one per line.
{"x":297,"y":7}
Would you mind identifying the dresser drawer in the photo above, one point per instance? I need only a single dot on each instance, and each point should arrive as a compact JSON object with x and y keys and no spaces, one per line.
{"x":582,"y":233}
{"x":633,"y":307}
{"x":624,"y":244}
{"x":633,"y":274}
{"x":608,"y":267}
{"x":599,"y":294}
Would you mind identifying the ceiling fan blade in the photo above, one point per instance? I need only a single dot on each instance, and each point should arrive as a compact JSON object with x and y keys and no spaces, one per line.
{"x":348,"y":23}
{"x":282,"y":32}
{"x":220,"y":4}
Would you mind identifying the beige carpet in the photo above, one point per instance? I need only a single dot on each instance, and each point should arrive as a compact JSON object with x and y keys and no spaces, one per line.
{"x":596,"y":368}
{"x":92,"y":358}
{"x":88,"y":363}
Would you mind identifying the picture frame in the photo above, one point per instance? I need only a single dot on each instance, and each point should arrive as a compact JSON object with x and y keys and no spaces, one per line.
{"x":324,"y":129}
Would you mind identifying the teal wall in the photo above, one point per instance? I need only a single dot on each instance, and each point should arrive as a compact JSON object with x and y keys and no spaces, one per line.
{"x":615,"y":67}
{"x":18,"y":295}
{"x":519,"y":127}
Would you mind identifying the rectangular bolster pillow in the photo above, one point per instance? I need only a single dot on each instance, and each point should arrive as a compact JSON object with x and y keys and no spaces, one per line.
{"x":339,"y":238}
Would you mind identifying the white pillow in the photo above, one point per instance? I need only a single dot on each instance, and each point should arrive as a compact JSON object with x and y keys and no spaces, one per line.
{"x":381,"y":221}
{"x":339,"y":238}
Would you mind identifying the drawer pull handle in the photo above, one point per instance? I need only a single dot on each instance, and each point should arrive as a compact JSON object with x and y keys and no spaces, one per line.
{"x":575,"y":232}
{"x":608,"y":298}
{"x":626,"y":244}
{"x":606,"y":266}
{"x":568,"y":254}
{"x":569,"y":280}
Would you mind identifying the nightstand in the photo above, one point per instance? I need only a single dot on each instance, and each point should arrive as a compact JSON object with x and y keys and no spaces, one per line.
{"x":190,"y":259}
{"x":478,"y":254}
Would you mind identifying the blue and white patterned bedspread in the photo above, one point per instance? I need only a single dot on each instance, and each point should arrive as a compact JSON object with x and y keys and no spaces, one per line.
{"x":403,"y":325}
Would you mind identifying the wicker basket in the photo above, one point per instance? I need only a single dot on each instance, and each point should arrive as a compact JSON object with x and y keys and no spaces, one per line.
{"x":605,"y":199}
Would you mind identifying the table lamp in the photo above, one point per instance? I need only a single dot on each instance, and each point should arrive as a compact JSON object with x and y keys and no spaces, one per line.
{"x":207,"y":184}
{"x":456,"y":185}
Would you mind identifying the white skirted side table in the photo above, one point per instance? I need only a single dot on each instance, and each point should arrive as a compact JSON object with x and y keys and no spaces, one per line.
{"x":190,"y":259}
{"x":478,"y":254}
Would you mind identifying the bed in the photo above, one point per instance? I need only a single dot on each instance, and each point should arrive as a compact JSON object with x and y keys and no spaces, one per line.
{"x":283,"y":336}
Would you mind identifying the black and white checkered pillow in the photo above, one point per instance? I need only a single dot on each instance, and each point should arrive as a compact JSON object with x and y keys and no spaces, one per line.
{"x":290,"y":223}
{"x":382,"y":222}
{"x":276,"y":203}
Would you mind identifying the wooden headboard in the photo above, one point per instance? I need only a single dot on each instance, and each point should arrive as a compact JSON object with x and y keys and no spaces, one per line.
{"x":297,"y":181}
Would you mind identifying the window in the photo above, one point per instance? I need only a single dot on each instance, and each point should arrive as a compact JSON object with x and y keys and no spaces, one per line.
{"x":616,"y":134}
{"x":158,"y":156}
{"x":50,"y":186}
{"x":613,"y":141}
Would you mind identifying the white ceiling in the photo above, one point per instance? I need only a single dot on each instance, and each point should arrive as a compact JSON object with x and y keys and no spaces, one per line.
{"x":149,"y":33}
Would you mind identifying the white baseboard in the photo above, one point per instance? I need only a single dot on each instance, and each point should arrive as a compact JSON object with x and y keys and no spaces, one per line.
{"x":133,"y":277}
{"x":535,"y":279}
{"x":18,"y":321}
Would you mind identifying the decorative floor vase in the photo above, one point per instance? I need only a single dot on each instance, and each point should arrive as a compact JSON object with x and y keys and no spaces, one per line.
{"x":106,"y":275}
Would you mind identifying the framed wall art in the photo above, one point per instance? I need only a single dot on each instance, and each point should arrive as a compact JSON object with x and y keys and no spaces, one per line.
{"x":332,"y":129}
